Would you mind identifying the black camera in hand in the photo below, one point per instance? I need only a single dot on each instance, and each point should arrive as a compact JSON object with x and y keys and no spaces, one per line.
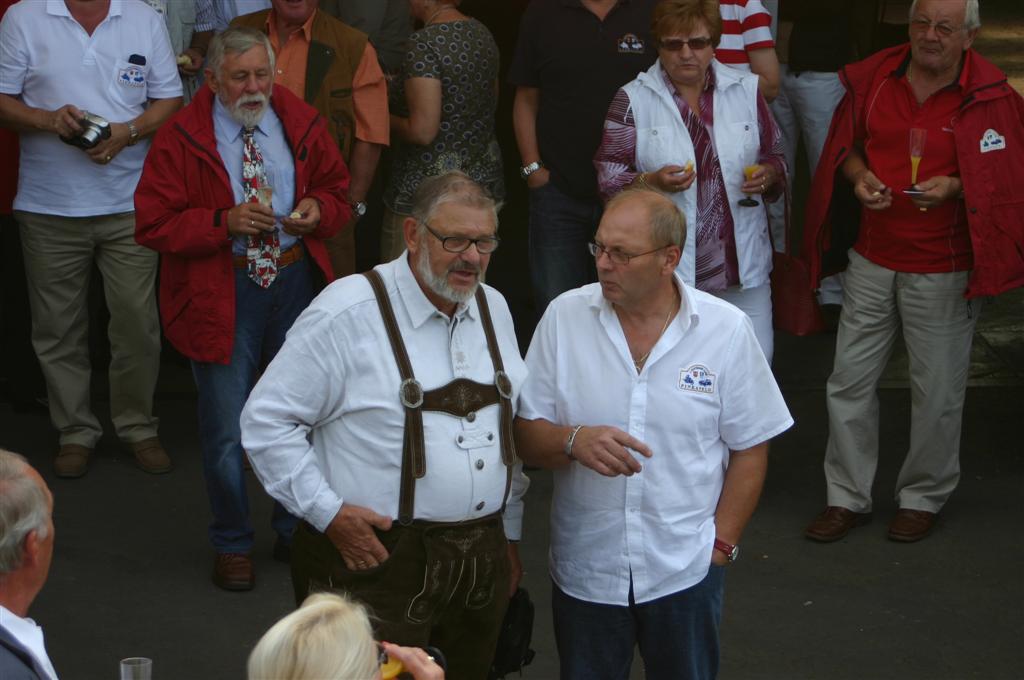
{"x":94,"y":130}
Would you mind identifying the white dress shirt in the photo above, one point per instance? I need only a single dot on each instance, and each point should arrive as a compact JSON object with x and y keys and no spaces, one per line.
{"x":30,"y":636}
{"x":324,"y":425}
{"x":705,"y":390}
{"x":48,"y":60}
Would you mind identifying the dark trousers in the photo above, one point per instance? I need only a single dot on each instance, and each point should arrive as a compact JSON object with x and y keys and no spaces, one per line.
{"x":444,"y":585}
{"x":677,"y":634}
{"x":262,"y":319}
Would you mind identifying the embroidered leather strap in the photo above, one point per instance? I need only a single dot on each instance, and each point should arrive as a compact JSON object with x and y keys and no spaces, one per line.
{"x":459,"y":398}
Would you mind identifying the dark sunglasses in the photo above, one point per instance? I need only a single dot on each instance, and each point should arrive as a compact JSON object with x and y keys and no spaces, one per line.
{"x":676,"y":44}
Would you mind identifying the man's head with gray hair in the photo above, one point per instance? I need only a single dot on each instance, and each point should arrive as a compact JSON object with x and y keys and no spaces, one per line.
{"x":450,"y":237}
{"x":24,"y":508}
{"x":453,"y":186}
{"x":240,"y":70}
{"x":972,"y":14}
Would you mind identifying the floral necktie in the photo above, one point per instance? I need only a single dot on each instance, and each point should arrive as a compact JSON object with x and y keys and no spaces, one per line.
{"x":262,"y":250}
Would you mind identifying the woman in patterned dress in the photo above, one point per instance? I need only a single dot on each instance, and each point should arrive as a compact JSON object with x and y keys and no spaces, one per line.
{"x":443,"y":107}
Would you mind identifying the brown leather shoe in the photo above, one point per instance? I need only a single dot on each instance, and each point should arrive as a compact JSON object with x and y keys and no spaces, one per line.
{"x":834,"y":523}
{"x":72,"y":461}
{"x":233,"y":571}
{"x":908,"y":526}
{"x":151,"y":457}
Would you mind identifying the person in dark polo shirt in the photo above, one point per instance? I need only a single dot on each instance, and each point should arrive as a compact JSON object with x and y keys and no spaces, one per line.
{"x":572,"y":56}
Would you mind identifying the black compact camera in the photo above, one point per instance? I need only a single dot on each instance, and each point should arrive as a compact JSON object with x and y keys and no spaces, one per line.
{"x":94,"y":130}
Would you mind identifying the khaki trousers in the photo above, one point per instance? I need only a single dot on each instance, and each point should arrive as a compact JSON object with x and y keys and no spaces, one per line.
{"x":938,"y":328}
{"x":59,"y":254}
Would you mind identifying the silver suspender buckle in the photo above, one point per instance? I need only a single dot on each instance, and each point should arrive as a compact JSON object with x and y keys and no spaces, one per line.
{"x":411,"y":393}
{"x":503,"y":383}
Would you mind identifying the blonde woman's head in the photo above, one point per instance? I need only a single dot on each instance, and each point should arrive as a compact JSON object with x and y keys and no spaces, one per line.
{"x":327,"y":638}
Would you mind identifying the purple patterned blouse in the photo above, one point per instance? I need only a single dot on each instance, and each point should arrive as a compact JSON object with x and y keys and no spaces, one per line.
{"x":716,"y":266}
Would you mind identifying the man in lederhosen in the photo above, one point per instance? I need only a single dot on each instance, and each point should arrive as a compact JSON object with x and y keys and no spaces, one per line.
{"x":385,"y":423}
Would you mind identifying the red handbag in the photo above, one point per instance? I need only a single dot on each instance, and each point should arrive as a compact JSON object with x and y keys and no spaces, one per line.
{"x":795,"y":308}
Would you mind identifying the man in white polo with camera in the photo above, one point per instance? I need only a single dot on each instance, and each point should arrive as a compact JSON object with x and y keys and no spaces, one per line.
{"x":60,"y":59}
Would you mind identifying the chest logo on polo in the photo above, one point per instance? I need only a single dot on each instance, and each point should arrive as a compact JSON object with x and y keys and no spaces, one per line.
{"x":992,"y":141}
{"x":697,"y":378}
{"x":131,"y":77}
{"x":631,"y":44}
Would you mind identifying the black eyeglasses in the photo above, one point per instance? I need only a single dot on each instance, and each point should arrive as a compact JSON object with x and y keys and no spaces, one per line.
{"x":618,"y":256}
{"x":460,"y":244}
{"x":676,"y":44}
{"x":943,"y":30}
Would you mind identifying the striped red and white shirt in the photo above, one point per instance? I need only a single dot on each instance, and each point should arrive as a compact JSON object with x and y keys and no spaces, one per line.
{"x":746,"y":25}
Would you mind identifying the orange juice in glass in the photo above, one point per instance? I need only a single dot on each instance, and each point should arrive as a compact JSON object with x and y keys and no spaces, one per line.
{"x":748,"y":173}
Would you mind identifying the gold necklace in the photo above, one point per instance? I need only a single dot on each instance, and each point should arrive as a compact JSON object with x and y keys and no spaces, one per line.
{"x":639,"y":363}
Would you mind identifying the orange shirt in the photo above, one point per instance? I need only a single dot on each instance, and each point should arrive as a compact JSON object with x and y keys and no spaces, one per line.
{"x":369,"y":89}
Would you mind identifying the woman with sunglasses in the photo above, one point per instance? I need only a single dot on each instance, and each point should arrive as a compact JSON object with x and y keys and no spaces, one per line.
{"x":329,"y":638}
{"x":700,"y":132}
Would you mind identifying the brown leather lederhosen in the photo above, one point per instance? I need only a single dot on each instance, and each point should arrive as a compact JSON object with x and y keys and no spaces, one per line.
{"x":460,"y":398}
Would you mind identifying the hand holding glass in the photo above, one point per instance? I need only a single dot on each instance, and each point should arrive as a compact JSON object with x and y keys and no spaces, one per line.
{"x":748,"y":173}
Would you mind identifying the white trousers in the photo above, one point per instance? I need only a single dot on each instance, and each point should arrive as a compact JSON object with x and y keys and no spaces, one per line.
{"x":938,"y":328}
{"x":804,"y":107}
{"x":757,"y":304}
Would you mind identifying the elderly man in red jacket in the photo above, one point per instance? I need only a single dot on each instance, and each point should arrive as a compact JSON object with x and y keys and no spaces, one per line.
{"x":930,"y":137}
{"x":238,"y":194}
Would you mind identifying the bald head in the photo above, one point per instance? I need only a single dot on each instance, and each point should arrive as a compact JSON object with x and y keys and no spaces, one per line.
{"x":667,"y":224}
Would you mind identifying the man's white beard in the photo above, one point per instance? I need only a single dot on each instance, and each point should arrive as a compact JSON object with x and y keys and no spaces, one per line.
{"x":246,"y":117}
{"x":439,"y":284}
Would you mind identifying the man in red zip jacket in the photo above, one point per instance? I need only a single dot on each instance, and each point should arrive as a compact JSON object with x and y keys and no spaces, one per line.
{"x":238,"y":194}
{"x":930,"y":136}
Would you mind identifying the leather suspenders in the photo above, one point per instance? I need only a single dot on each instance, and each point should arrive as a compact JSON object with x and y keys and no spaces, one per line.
{"x":460,"y":398}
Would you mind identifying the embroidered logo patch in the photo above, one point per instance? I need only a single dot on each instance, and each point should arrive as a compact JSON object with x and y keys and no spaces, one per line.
{"x":631,"y":44}
{"x":697,"y":378}
{"x":992,"y":141}
{"x":131,"y":77}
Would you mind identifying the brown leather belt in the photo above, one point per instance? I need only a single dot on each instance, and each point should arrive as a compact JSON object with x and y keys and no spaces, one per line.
{"x":287,"y":257}
{"x":459,"y":398}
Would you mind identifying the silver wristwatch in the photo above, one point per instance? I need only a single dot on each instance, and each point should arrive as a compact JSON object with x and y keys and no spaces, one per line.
{"x":528,"y":170}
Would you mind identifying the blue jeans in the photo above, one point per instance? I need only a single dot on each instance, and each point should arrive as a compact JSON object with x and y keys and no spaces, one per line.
{"x":560,"y":228}
{"x":677,"y":634}
{"x":262,"y":318}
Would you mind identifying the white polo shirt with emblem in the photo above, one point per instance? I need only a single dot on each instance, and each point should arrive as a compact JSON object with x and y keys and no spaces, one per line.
{"x":48,"y":60}
{"x":706,"y":389}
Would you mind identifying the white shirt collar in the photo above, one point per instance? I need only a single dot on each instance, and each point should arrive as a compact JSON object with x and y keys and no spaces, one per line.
{"x":687,"y":317}
{"x":58,"y":8}
{"x":30,"y":636}
{"x":417,"y":304}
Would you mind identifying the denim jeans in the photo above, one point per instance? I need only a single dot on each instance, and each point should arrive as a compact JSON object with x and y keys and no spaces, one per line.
{"x":560,"y":227}
{"x":677,"y":634}
{"x":262,"y":318}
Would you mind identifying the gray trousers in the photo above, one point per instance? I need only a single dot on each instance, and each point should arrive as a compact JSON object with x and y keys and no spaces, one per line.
{"x":59,"y":254}
{"x":938,"y":328}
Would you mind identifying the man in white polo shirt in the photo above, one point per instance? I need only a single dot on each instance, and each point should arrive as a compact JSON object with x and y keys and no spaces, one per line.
{"x":654,"y":404}
{"x":111,"y":58}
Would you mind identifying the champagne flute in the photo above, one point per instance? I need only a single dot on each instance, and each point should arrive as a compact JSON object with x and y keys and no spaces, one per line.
{"x":917,"y":138}
{"x":748,"y":173}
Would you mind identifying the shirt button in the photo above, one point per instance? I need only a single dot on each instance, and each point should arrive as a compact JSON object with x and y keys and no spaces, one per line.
{"x":490,"y":436}
{"x":480,"y":505}
{"x":459,"y":439}
{"x":480,"y":464}
{"x":471,"y":416}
